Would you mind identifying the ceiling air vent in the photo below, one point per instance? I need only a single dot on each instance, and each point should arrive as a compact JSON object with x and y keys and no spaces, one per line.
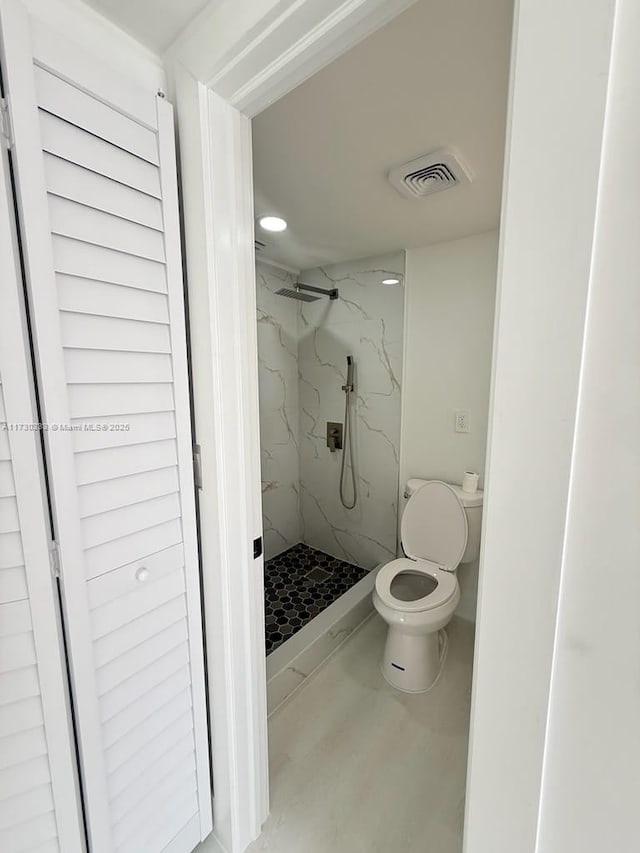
{"x":429,"y":174}
{"x":258,"y":245}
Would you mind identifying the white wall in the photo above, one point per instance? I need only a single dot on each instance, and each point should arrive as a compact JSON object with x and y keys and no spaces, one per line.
{"x":592,"y":766}
{"x":450,"y":294}
{"x":558,"y":89}
{"x":102,"y":39}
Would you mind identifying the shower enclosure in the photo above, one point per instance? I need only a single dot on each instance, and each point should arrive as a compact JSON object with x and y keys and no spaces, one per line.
{"x":330,"y":361}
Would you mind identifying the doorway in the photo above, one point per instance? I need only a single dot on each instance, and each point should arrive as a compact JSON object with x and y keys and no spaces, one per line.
{"x":366,"y":288}
{"x":535,"y":364}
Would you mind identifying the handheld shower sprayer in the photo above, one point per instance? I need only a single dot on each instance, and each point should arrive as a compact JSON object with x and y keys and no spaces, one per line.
{"x":348,"y":388}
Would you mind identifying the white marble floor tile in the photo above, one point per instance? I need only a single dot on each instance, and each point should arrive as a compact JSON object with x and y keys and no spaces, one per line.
{"x":357,"y":767}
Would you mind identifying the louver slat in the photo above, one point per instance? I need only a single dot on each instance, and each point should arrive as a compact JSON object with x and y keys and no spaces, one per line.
{"x":71,"y":143}
{"x":130,"y":690}
{"x":108,"y":494}
{"x":37,"y":833}
{"x":80,"y":109}
{"x":118,"y":462}
{"x":85,"y":296}
{"x":13,"y":584}
{"x":137,"y":789}
{"x":67,"y":180}
{"x":88,"y":401}
{"x":125,"y":781}
{"x":87,"y":260}
{"x":89,"y":225}
{"x":23,"y":747}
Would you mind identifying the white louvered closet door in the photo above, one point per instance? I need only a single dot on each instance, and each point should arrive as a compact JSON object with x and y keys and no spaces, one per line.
{"x":97,"y":197}
{"x":39,"y":807}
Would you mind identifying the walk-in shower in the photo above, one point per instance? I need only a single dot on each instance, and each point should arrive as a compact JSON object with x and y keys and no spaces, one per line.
{"x":330,"y":357}
{"x":344,"y":430}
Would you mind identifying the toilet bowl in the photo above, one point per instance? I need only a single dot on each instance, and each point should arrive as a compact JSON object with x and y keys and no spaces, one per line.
{"x":417,"y":594}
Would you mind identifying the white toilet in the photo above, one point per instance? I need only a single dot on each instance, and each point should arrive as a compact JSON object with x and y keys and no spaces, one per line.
{"x":417,"y":594}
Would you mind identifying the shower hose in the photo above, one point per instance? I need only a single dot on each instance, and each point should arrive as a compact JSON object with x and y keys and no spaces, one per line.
{"x":348,"y":448}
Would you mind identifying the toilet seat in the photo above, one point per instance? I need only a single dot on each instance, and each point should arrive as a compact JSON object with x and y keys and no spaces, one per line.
{"x":447,"y":585}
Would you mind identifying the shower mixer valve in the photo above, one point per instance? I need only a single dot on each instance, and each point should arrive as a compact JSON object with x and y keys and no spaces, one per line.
{"x":334,"y":436}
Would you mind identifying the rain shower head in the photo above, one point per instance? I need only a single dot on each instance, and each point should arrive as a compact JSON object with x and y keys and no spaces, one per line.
{"x":295,"y":294}
{"x":304,"y":297}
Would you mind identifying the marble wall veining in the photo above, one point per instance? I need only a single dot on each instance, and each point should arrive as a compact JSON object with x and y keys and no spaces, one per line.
{"x":302,"y":366}
{"x":366,"y":322}
{"x":279,"y":410}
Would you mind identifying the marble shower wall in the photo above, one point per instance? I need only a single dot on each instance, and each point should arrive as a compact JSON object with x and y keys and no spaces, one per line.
{"x":366,"y":322}
{"x":279,"y":410}
{"x":302,"y":350}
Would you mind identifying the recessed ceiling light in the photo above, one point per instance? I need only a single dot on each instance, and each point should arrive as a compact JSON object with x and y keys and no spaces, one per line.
{"x":272,"y":223}
{"x":391,"y":281}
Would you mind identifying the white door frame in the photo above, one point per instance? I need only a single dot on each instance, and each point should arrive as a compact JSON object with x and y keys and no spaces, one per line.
{"x":232,"y":62}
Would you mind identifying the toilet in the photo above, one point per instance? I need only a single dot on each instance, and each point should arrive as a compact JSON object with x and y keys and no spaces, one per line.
{"x":417,"y":594}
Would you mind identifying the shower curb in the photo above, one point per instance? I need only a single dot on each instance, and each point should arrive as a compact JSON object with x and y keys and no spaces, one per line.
{"x":292,"y":663}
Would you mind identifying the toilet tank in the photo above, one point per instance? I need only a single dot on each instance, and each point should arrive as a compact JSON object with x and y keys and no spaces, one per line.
{"x":472,"y":503}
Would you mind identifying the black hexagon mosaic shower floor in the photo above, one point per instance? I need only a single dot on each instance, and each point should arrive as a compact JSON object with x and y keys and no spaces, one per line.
{"x":300,"y":583}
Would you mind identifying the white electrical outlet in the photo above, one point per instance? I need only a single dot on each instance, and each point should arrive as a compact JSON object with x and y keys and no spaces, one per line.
{"x":462,"y":420}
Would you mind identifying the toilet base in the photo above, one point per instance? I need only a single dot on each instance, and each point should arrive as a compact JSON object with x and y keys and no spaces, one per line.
{"x":412,"y":662}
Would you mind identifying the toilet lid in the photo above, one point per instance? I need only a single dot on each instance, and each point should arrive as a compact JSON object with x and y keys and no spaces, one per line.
{"x":434,"y":525}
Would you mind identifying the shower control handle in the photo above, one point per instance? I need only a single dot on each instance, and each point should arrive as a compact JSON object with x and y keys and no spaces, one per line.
{"x":334,"y":436}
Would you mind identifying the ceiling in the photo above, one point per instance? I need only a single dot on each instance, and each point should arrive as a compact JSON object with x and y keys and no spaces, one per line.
{"x":155,"y":24}
{"x":436,"y":76}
